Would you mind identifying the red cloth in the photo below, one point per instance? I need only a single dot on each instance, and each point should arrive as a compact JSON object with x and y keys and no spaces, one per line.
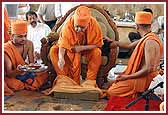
{"x":116,"y":103}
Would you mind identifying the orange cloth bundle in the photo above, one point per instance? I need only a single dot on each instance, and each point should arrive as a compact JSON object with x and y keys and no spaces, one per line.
{"x":65,"y":84}
{"x":82,"y":16}
{"x":18,"y":27}
{"x":143,"y":17}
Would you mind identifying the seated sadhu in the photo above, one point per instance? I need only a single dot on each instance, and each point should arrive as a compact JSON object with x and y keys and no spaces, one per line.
{"x":15,"y":53}
{"x":80,"y":35}
{"x":143,"y":63}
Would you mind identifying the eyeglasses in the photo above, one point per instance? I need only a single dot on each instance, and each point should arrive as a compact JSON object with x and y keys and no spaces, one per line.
{"x":80,"y":28}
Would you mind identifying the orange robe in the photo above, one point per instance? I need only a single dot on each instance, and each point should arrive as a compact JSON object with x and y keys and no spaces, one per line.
{"x":132,"y":86}
{"x":6,"y":26}
{"x":67,"y":85}
{"x":68,"y":39}
{"x":13,"y":84}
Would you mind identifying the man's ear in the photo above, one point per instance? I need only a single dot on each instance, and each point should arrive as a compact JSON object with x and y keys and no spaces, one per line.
{"x":136,"y":27}
{"x":12,"y":36}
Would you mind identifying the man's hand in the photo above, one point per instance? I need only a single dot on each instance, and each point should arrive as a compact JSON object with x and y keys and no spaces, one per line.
{"x":18,"y":69}
{"x":59,"y":19}
{"x":61,"y":63}
{"x":113,"y":44}
{"x":37,"y":55}
{"x":77,"y":49}
{"x":108,"y":39}
{"x":121,"y":77}
{"x":80,"y":48}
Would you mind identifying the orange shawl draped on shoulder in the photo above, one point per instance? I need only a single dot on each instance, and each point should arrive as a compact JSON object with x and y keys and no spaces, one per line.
{"x":16,"y":59}
{"x":132,"y":86}
{"x":13,"y":54}
{"x":135,"y":60}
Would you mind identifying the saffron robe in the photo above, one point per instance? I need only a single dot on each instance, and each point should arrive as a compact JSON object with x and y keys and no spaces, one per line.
{"x":13,"y":84}
{"x":133,"y":86}
{"x":68,"y":39}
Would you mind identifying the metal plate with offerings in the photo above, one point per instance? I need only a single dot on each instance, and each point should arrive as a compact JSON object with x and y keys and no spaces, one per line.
{"x":33,"y":68}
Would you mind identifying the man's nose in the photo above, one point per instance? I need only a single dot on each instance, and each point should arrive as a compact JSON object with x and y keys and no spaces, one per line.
{"x":24,"y":37}
{"x":33,"y":20}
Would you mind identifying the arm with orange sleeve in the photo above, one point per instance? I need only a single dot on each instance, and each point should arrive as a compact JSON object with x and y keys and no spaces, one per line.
{"x":83,"y":48}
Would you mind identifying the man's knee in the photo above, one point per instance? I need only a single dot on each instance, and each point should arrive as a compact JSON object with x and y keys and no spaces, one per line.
{"x":109,"y":92}
{"x":17,"y":85}
{"x":53,"y":51}
{"x":96,"y":52}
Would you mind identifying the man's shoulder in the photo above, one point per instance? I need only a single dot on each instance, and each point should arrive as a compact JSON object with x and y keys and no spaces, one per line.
{"x":42,"y":25}
{"x":29,"y":26}
{"x":68,"y":23}
{"x":93,"y":19}
{"x":152,"y":43}
{"x":29,"y":42}
{"x":153,"y":36}
{"x":6,"y":44}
